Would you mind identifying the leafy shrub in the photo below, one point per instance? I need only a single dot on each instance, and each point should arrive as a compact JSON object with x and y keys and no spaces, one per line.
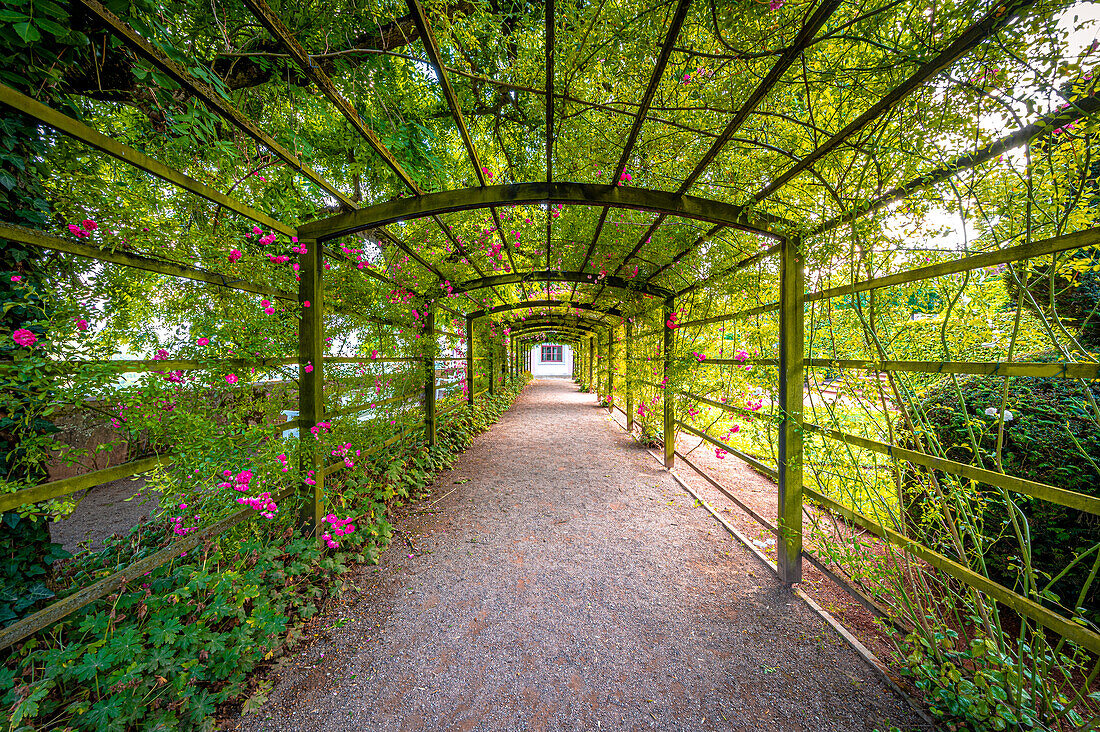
{"x":1076,"y":296}
{"x":167,"y":651}
{"x":978,"y":687}
{"x":1052,"y":439}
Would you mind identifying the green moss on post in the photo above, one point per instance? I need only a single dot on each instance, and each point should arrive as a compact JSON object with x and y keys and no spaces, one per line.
{"x":629,"y":385}
{"x":429,"y":375}
{"x":311,"y":340}
{"x":668,"y":400}
{"x":791,"y":341}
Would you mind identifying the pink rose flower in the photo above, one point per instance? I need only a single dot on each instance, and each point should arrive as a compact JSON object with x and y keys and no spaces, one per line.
{"x":24,"y":337}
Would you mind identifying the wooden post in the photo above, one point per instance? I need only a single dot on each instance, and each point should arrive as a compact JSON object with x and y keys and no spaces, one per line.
{"x":669,"y":400}
{"x":470,"y":360}
{"x":492,"y":370}
{"x":610,"y":369}
{"x":429,"y":383}
{"x":311,"y":395}
{"x":791,"y":299}
{"x":629,"y":384}
{"x":591,"y":359}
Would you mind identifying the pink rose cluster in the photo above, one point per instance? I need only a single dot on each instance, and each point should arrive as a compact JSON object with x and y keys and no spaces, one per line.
{"x":24,"y":337}
{"x":84,"y":230}
{"x":340,"y":527}
{"x":344,"y":451}
{"x":177,"y":523}
{"x":242,"y":482}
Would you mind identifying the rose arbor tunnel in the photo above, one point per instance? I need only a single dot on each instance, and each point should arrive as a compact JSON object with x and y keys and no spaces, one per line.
{"x":725,"y":212}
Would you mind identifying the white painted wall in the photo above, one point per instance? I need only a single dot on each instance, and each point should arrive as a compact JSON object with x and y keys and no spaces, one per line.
{"x":538,"y":368}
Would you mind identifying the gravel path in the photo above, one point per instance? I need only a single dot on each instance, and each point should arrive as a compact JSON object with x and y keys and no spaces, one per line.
{"x":570,"y":584}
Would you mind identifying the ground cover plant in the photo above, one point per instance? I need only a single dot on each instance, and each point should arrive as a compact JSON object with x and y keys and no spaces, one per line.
{"x":172,"y":647}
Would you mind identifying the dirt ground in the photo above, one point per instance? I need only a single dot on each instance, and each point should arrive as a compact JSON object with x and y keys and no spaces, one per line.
{"x":102,"y":512}
{"x":559,"y":579}
{"x":761,"y":494}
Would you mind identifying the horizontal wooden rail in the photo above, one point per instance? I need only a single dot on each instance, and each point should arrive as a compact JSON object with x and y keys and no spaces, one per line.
{"x":134,"y":366}
{"x":758,"y":465}
{"x":452,"y":408}
{"x":1064,"y":627}
{"x":1053,"y":245}
{"x":741,"y":314}
{"x":24,"y":235}
{"x":364,"y":406}
{"x":734,"y":361}
{"x":136,"y":158}
{"x":368,"y":359}
{"x":113,"y":583}
{"x":1062,"y":497}
{"x":68,"y":486}
{"x":727,"y":407}
{"x":1016,"y":368}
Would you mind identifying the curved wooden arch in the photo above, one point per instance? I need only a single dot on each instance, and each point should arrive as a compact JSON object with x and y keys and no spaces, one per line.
{"x":559,"y":328}
{"x":583,"y":194}
{"x":557,"y":275}
{"x":589,"y":327}
{"x":563,"y":327}
{"x":568,"y":305}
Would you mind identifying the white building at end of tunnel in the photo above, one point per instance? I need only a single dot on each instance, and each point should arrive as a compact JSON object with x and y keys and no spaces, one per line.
{"x":551,"y":359}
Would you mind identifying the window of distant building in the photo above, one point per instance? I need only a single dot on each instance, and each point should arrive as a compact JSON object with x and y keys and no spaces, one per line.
{"x":551,"y":354}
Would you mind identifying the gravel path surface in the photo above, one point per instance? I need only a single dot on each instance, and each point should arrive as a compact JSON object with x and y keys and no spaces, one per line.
{"x":570,"y":584}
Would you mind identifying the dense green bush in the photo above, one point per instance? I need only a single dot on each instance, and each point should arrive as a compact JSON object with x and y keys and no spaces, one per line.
{"x":167,"y":651}
{"x":1076,"y":293}
{"x":1053,"y":439}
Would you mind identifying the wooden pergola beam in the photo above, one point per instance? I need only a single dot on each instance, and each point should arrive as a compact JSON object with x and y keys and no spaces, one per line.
{"x":555,"y":275}
{"x":1077,"y":110}
{"x":200,"y":89}
{"x":275,"y":26}
{"x":805,"y":37}
{"x":532,"y":304}
{"x":586,"y":194}
{"x":993,"y":21}
{"x":663,"y":56}
{"x":85,"y":134}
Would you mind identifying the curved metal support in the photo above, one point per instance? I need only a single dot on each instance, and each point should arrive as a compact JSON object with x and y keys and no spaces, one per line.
{"x":567,"y":304}
{"x":557,"y":275}
{"x":584,"y":194}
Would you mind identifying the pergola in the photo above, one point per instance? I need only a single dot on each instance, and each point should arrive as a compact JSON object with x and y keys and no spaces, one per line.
{"x":739,"y":201}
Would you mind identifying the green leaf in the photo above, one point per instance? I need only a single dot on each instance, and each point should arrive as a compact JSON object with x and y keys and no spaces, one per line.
{"x":27,"y":32}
